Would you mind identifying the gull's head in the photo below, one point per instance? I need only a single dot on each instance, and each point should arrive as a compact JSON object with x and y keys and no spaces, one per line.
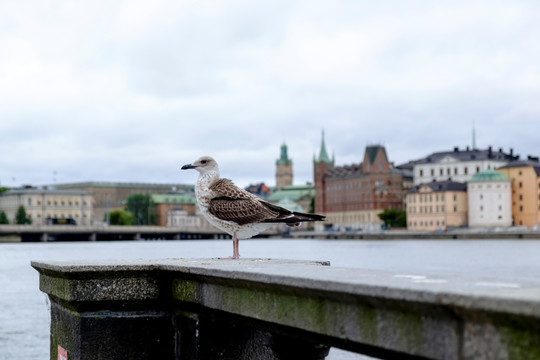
{"x":203,"y":165}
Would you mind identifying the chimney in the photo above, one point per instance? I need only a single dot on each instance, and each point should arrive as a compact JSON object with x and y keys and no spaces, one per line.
{"x":456,"y":149}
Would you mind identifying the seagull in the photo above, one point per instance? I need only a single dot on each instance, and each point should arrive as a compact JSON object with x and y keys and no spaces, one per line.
{"x":234,"y":210}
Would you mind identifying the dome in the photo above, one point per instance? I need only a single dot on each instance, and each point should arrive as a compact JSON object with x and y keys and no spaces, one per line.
{"x":490,"y":175}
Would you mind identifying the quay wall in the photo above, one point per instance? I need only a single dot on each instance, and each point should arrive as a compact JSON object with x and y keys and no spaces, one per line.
{"x":199,"y":309}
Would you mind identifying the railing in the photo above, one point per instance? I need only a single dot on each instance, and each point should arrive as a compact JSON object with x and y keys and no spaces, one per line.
{"x":276,"y":309}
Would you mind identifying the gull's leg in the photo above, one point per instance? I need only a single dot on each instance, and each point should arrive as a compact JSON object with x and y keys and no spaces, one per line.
{"x":236,"y":254}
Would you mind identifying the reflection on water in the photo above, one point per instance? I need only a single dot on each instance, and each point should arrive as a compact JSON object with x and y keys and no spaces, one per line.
{"x":24,"y":312}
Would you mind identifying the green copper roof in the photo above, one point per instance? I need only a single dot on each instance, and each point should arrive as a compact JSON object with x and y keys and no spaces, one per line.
{"x":284,"y":157}
{"x":323,"y":155}
{"x":489,"y":175}
{"x":293,"y":192}
{"x":173,"y":198}
{"x":290,"y":205}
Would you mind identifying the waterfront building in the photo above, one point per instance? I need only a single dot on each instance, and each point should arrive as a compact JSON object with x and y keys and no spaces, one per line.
{"x":525,"y":177}
{"x":284,"y":170}
{"x":490,"y":199}
{"x":458,"y":165}
{"x":43,"y":205}
{"x":109,"y":196}
{"x":168,"y":203}
{"x":300,"y":194}
{"x":353,"y":195}
{"x":437,"y":205}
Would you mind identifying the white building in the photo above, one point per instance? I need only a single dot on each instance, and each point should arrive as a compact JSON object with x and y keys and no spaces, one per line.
{"x":490,"y":199}
{"x":43,"y":204}
{"x":458,"y":165}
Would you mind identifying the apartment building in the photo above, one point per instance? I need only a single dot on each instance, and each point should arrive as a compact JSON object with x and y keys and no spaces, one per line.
{"x":437,"y":205}
{"x":458,"y":165}
{"x":43,"y":205}
{"x":112,"y":195}
{"x":525,"y":176}
{"x":490,"y":199}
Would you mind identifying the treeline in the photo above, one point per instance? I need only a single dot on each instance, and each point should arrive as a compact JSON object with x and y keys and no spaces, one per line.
{"x":139,"y":210}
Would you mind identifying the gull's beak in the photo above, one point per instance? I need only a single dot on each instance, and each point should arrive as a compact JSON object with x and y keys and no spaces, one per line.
{"x":188,"y":166}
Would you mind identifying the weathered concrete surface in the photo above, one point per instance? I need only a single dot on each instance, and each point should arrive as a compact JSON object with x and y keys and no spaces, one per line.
{"x":271,"y":302}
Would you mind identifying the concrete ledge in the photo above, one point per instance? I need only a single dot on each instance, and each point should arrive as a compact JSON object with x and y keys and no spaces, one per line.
{"x":280,"y":302}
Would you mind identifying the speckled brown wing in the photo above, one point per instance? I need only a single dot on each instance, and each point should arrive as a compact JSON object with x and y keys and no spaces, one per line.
{"x":225,"y":187}
{"x":235,"y":204}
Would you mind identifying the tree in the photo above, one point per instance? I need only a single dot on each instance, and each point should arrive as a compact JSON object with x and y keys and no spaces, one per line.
{"x":21,"y":217}
{"x":3,"y":218}
{"x":142,"y":208}
{"x":394,"y":218}
{"x":3,"y":189}
{"x":120,"y":217}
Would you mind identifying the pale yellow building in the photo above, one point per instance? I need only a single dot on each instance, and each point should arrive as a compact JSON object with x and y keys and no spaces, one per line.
{"x":43,"y":205}
{"x":437,"y":205}
{"x":525,"y":177}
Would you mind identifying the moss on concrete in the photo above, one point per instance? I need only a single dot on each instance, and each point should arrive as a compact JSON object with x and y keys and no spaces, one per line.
{"x":185,"y":290}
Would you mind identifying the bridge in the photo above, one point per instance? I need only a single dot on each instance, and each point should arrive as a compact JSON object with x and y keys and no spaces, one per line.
{"x":112,"y":232}
{"x":207,"y":309}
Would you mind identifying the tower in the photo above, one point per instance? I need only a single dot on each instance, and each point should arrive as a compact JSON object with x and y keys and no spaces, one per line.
{"x":284,"y":171}
{"x":320,"y":166}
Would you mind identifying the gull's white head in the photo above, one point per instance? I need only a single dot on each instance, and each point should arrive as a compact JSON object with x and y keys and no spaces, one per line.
{"x":203,"y":165}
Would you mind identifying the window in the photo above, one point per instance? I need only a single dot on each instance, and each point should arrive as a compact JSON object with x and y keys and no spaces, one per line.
{"x":520,"y":184}
{"x":455,"y":171}
{"x":465,"y":171}
{"x":521,"y":208}
{"x":448,"y":171}
{"x":421,"y":172}
{"x":478,"y":169}
{"x":455,"y":208}
{"x":441,"y":172}
{"x":432,"y":172}
{"x":481,"y":208}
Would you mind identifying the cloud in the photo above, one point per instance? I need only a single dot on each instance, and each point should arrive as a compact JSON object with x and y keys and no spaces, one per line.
{"x":129,"y":91}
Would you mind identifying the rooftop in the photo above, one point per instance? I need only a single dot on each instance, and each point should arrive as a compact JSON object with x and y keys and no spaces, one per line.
{"x":465,"y":155}
{"x":524,"y":163}
{"x":121,"y":185}
{"x":489,"y":175}
{"x":439,"y":186}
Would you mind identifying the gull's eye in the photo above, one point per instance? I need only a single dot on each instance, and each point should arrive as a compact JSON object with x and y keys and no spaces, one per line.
{"x":203,"y":161}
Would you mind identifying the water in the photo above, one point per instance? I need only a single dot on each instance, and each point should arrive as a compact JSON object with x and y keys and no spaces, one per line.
{"x":24,"y":313}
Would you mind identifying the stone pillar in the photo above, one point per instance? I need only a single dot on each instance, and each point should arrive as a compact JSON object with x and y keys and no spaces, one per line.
{"x":106,"y":313}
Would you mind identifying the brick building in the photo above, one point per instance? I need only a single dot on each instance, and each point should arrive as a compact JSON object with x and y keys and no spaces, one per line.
{"x":353,"y":195}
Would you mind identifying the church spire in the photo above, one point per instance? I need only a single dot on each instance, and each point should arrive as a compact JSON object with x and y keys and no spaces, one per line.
{"x":323,"y":155}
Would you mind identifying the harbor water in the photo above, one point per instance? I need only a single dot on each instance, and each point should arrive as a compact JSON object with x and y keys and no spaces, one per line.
{"x":24,"y":312}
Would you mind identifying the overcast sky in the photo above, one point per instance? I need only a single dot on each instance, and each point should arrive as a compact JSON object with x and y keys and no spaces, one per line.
{"x":130,"y":91}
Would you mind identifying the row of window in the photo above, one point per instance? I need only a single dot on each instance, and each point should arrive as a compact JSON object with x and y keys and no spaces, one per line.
{"x":426,"y":223}
{"x":449,"y":171}
{"x":488,"y":186}
{"x":412,"y":198}
{"x":55,"y":201}
{"x":429,"y":209}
